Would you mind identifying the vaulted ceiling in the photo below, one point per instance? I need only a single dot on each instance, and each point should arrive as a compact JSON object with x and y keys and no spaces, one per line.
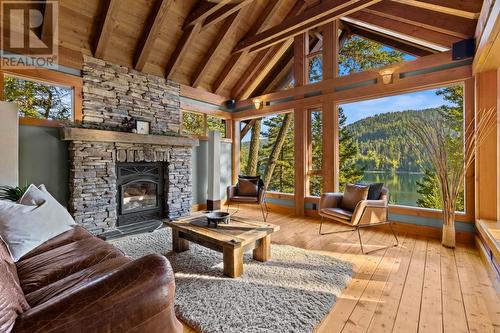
{"x":237,"y":48}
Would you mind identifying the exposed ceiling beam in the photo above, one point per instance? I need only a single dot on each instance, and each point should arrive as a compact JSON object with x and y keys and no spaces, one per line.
{"x":47,"y":31}
{"x":181,"y":49}
{"x":424,"y":18}
{"x":108,"y":25}
{"x":217,"y":45}
{"x":224,"y":13}
{"x":398,"y":44}
{"x":261,"y":22}
{"x":313,"y":17}
{"x":202,"y":10}
{"x":408,"y":32}
{"x":151,"y":33}
{"x":469,"y":9}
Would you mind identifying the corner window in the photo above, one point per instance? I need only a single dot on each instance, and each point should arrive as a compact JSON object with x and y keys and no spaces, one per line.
{"x":199,"y":124}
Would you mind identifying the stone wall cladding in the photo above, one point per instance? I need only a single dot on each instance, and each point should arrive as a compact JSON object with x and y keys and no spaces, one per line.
{"x":93,"y":180}
{"x":112,"y":93}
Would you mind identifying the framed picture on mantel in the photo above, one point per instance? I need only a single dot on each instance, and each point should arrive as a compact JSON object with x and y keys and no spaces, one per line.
{"x":142,"y":127}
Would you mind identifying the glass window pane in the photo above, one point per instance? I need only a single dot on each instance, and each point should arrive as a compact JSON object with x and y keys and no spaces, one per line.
{"x":217,"y":124}
{"x":316,"y":139}
{"x":315,"y":70}
{"x":193,"y":123}
{"x":39,"y":100}
{"x":375,"y":145}
{"x":315,"y":185}
{"x":267,"y":149}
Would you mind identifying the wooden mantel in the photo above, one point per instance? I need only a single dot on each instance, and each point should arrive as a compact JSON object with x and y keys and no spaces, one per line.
{"x":85,"y":134}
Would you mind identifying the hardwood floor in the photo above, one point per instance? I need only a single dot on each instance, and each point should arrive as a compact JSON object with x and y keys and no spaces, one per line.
{"x":418,"y":286}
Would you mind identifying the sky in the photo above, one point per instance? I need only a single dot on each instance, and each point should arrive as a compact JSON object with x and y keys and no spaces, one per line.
{"x":411,"y":101}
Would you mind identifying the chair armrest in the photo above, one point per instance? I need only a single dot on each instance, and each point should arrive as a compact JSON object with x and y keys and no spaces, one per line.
{"x":232,"y":190}
{"x":262,"y":194}
{"x":370,"y":211}
{"x":138,"y":295}
{"x":330,"y":200}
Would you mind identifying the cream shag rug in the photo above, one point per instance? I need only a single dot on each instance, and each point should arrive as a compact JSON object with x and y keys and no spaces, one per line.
{"x":292,"y":292}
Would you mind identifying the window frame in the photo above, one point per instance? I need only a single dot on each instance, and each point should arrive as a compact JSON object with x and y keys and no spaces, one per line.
{"x":46,"y":76}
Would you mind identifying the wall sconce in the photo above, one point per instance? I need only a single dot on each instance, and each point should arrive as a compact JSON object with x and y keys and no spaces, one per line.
{"x":259,"y":104}
{"x":386,"y":77}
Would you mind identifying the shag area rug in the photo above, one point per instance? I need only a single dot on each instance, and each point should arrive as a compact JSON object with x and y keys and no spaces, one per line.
{"x":292,"y":292}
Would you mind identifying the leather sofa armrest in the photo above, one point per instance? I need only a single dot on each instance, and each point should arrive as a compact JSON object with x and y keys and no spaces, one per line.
{"x":138,"y":295}
{"x":330,"y":200}
{"x":232,"y":190}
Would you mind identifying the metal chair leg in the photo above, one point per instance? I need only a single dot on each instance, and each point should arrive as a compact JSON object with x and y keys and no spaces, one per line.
{"x":382,"y":248}
{"x":332,"y":232}
{"x":264,"y":216}
{"x":394,"y":234}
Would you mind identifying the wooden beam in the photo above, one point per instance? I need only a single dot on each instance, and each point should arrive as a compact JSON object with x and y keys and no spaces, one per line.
{"x":398,"y":44}
{"x":247,"y":128}
{"x":151,"y":33}
{"x":258,"y":69}
{"x":266,"y":15}
{"x":224,"y":13}
{"x":181,"y":49}
{"x":202,"y":10}
{"x":202,"y":95}
{"x":463,"y":8}
{"x":424,"y":18}
{"x":217,"y":45}
{"x":108,"y":25}
{"x":314,"y":17}
{"x":405,"y":31}
{"x":488,"y":39}
{"x":46,"y":34}
{"x":330,"y":50}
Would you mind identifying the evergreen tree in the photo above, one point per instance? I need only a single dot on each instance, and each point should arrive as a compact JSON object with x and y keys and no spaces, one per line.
{"x":348,"y":154}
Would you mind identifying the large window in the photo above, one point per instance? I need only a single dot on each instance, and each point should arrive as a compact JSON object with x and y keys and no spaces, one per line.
{"x":315,"y":145}
{"x":199,"y":124}
{"x":267,"y":149}
{"x":375,"y":147}
{"x":38,"y":99}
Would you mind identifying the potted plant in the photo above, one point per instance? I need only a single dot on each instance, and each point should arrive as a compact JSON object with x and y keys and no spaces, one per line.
{"x":441,"y":143}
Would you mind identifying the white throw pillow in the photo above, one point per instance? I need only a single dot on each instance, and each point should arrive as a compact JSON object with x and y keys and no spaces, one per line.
{"x":37,"y":218}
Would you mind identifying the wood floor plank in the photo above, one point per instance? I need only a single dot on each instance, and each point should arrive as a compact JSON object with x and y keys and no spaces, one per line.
{"x":431,"y":314}
{"x":362,"y":315}
{"x":409,"y":305}
{"x":386,"y":311}
{"x":454,"y":319}
{"x":347,"y":302}
{"x":479,"y":302}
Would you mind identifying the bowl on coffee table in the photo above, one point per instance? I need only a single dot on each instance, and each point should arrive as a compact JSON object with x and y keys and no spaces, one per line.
{"x":217,"y":217}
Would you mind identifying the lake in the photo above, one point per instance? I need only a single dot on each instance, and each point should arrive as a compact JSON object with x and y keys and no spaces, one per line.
{"x":402,"y":185}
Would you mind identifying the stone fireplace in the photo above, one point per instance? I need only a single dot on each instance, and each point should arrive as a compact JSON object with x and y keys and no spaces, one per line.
{"x":120,"y":180}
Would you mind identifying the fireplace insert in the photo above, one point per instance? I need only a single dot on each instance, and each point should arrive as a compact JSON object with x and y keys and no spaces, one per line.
{"x":140,"y":192}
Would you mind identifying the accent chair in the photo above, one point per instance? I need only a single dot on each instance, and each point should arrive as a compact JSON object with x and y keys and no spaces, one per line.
{"x":359,"y":206}
{"x":249,"y":190}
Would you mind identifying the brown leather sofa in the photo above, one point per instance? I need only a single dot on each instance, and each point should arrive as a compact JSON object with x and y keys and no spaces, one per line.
{"x":76,"y":282}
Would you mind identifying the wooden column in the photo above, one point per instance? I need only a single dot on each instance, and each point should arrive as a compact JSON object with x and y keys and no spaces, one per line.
{"x":488,"y":153}
{"x":235,"y":151}
{"x":301,"y":48}
{"x":330,"y":110}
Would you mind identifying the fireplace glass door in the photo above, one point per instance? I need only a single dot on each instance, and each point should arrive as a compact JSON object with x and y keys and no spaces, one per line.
{"x":139,"y":195}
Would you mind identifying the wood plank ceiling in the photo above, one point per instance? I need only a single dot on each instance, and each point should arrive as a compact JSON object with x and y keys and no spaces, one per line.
{"x":237,"y":48}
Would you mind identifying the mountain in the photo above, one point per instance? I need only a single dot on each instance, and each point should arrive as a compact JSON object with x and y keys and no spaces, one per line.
{"x":384,"y":143}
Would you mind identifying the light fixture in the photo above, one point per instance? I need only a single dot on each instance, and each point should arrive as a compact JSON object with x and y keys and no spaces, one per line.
{"x":258,"y":103}
{"x":386,"y":77}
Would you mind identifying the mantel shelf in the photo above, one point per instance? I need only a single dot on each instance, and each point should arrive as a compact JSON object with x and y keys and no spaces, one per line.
{"x":85,"y":134}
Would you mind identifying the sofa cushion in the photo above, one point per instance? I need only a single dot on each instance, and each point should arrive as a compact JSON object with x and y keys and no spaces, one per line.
{"x":12,"y":301}
{"x":76,"y":233}
{"x":47,"y":267}
{"x":248,"y":187}
{"x":338,"y":213}
{"x":76,"y":281}
{"x":37,"y":218}
{"x":353,"y":194}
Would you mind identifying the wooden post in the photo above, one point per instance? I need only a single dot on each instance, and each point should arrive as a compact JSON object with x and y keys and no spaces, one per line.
{"x":330,"y":110}
{"x":488,"y":153}
{"x":469,"y":116}
{"x":235,"y":151}
{"x":301,"y":48}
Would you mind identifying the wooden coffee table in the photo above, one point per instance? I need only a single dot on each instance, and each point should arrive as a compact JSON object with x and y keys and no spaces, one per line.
{"x":233,"y":239}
